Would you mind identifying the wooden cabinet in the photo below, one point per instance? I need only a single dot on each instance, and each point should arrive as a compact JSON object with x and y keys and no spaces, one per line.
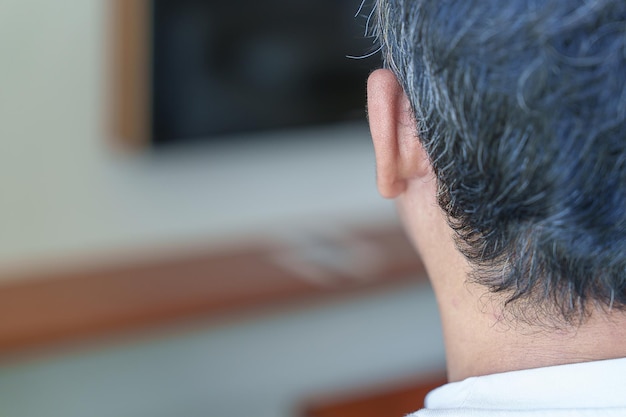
{"x":395,"y":399}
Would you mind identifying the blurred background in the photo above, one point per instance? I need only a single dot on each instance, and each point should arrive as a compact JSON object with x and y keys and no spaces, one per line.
{"x":189,"y":223}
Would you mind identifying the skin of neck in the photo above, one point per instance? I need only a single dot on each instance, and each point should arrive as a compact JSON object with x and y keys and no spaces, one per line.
{"x":479,"y":338}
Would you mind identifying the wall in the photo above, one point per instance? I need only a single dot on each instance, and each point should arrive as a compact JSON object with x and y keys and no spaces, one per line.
{"x":66,"y":194}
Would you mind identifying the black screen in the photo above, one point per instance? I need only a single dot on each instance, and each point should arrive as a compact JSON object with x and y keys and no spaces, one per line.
{"x":223,"y":67}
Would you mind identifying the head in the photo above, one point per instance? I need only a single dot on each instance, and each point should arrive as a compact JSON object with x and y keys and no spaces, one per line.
{"x":519,"y":111}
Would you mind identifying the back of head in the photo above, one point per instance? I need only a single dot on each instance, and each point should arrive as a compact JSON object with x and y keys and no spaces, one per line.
{"x":521,"y":107}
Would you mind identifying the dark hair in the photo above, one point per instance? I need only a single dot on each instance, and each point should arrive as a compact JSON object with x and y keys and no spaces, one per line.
{"x":521,"y":107}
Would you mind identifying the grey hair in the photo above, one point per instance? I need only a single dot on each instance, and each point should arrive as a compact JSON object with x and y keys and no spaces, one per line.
{"x":521,"y":107}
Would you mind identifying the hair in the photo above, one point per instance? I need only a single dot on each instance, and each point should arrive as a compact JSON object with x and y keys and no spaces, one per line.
{"x":521,"y":107}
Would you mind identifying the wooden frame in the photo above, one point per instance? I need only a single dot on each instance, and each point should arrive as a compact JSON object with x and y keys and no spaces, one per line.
{"x":131,"y":77}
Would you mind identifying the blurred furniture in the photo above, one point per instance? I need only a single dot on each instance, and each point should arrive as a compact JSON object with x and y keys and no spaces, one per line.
{"x":58,"y":307}
{"x":395,"y":399}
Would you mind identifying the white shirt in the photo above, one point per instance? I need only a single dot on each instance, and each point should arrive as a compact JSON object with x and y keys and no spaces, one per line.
{"x":588,"y":389}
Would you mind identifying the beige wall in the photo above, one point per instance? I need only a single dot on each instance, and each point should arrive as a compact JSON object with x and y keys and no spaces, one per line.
{"x":64,"y":193}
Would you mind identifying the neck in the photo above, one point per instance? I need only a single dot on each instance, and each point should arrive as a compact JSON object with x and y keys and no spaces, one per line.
{"x":479,"y":341}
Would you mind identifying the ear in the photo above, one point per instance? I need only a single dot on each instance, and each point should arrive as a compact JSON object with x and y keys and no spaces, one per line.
{"x":399,"y":153}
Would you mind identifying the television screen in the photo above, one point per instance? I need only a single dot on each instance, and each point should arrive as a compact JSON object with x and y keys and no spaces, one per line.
{"x":222,"y":67}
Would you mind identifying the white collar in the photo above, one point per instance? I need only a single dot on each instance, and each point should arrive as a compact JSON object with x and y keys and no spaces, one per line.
{"x":581,"y":385}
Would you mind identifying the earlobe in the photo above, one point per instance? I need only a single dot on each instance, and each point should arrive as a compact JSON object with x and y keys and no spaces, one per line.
{"x":399,"y":155}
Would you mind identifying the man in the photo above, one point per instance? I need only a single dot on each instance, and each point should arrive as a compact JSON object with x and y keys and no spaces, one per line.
{"x":499,"y":127}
